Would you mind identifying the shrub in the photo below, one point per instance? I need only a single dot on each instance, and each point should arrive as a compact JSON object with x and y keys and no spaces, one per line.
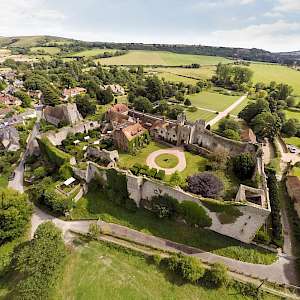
{"x":160,"y":175}
{"x":176,"y":179}
{"x":65,"y":171}
{"x":217,"y":276}
{"x":94,"y":231}
{"x":164,"y":206}
{"x":244,"y":166}
{"x":189,"y":268}
{"x":231,"y":134}
{"x":194,"y":214}
{"x":156,"y":258}
{"x":205,"y":184}
{"x":55,"y":202}
{"x":40,"y":172}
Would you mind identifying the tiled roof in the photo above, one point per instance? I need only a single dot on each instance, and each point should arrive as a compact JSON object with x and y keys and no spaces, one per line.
{"x":133,"y":130}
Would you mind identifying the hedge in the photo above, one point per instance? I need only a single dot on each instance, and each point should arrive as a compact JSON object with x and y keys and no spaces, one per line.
{"x":138,"y":169}
{"x":55,"y":155}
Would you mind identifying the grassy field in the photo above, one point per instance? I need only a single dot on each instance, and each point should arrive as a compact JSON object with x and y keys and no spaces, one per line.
{"x":195,"y":163}
{"x":167,"y":161}
{"x":175,"y":78}
{"x":91,"y":52}
{"x":293,"y":141}
{"x":199,"y":114}
{"x":99,"y":271}
{"x":236,"y":111}
{"x":292,"y":114}
{"x":96,"y":205}
{"x":213,"y":101}
{"x":48,"y":50}
{"x":272,"y":72}
{"x":163,"y":58}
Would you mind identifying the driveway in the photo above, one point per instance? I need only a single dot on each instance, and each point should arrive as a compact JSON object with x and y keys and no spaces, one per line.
{"x":227,"y":111}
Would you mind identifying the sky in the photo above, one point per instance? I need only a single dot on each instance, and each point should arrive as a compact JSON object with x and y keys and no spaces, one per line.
{"x":272,"y":25}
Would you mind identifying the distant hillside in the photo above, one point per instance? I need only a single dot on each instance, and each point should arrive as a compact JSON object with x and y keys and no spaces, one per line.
{"x":31,"y":41}
{"x":288,"y":58}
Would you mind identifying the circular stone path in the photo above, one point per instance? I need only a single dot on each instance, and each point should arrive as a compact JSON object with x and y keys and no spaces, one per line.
{"x":172,"y":151}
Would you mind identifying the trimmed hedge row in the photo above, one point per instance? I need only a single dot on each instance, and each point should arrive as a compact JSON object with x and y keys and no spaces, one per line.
{"x":138,"y":169}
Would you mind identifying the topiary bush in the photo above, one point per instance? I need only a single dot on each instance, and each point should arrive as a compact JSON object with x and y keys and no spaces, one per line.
{"x":205,"y":184}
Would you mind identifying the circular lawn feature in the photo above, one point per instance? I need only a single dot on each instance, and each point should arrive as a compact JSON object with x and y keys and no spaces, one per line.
{"x":167,"y":161}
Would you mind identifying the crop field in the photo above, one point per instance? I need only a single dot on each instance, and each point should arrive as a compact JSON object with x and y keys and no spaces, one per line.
{"x":272,"y":72}
{"x":47,"y":50}
{"x":91,"y":52}
{"x":199,"y":114}
{"x":163,"y":58}
{"x":100,"y":271}
{"x":213,"y":101}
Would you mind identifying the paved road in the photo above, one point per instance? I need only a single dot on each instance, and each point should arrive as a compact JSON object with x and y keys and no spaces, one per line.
{"x":227,"y":111}
{"x":281,"y":271}
{"x":18,"y":180}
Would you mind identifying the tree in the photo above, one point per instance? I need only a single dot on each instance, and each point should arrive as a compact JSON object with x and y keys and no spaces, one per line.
{"x":244,"y":166}
{"x":39,"y":172}
{"x":153,"y":88}
{"x":175,"y":111}
{"x":162,"y":106}
{"x":104,"y":96}
{"x":40,"y":262}
{"x":67,"y":81}
{"x":85,"y":105}
{"x":205,"y":184}
{"x":176,"y":179}
{"x":218,"y":159}
{"x":26,"y":100}
{"x":266,"y":125}
{"x":291,"y":101}
{"x":143,"y":104}
{"x":15,"y":212}
{"x":253,"y":109}
{"x":228,"y":123}
{"x":290,"y":127}
{"x":187,"y":102}
{"x":231,"y":134}
{"x":179,"y":96}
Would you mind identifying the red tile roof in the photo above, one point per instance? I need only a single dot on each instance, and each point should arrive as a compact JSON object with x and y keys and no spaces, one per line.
{"x":131,"y":131}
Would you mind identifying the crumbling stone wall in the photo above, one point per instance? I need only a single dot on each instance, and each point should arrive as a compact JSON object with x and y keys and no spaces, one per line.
{"x":243,"y":228}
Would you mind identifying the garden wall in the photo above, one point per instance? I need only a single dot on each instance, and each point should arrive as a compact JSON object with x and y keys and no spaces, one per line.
{"x":242,"y":220}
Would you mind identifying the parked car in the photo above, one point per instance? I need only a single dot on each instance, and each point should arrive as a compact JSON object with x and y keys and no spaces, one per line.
{"x":292,"y":149}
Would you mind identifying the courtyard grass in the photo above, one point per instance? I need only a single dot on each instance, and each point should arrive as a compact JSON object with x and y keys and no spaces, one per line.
{"x":167,"y":161}
{"x":100,"y":271}
{"x":162,"y":58}
{"x":292,"y":114}
{"x":96,"y":205}
{"x":213,"y":101}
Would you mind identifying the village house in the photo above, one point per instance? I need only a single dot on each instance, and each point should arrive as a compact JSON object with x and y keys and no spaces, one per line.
{"x":9,"y":100}
{"x":63,"y":114}
{"x":67,"y":93}
{"x":9,"y":139}
{"x":130,"y":136}
{"x":116,"y":89}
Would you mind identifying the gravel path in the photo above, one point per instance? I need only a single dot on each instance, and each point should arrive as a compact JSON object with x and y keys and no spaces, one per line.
{"x":178,"y":152}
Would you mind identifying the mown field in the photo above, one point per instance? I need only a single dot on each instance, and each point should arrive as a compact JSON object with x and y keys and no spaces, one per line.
{"x":91,"y":52}
{"x":213,"y":101}
{"x":99,"y":271}
{"x":163,"y":58}
{"x":199,"y":114}
{"x":272,"y":72}
{"x":293,"y":141}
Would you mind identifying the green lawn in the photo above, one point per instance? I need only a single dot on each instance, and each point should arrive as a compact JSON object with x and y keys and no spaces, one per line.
{"x":240,"y":107}
{"x":96,"y":205}
{"x":48,"y":50}
{"x":167,"y":161}
{"x":293,"y":141}
{"x":163,"y":58}
{"x":296,"y":171}
{"x":212,"y":101}
{"x":273,"y":72}
{"x":292,"y":114}
{"x":195,"y":163}
{"x":91,"y":52}
{"x":175,"y":78}
{"x":199,"y":114}
{"x":3,"y":181}
{"x":100,"y":271}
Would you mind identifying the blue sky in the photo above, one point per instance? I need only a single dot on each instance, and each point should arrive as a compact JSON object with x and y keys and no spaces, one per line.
{"x":269,"y":24}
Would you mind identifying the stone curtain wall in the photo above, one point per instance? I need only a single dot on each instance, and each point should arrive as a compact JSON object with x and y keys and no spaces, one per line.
{"x":242,"y":228}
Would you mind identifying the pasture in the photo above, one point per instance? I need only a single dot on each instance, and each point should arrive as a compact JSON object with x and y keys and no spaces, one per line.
{"x":213,"y":101}
{"x":273,"y":72}
{"x":91,"y":52}
{"x":101,"y":271}
{"x":46,"y":50}
{"x":162,"y":58}
{"x":292,"y":114}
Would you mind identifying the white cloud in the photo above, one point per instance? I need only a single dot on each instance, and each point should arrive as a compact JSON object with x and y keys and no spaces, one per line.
{"x":278,"y":36}
{"x":287,"y":6}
